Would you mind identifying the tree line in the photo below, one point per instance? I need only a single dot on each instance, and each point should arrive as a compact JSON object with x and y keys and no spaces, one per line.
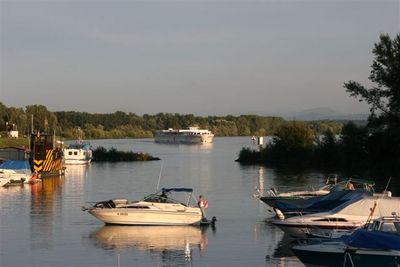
{"x":71,"y":124}
{"x":377,"y":144}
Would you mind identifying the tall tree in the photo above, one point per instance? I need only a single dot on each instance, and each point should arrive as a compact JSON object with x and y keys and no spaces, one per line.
{"x":384,"y":97}
{"x":43,"y":119}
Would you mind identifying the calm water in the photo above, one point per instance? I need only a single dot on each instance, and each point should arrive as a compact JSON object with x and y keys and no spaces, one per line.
{"x":43,"y":225}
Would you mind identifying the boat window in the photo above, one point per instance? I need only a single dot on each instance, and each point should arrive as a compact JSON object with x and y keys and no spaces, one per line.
{"x":70,"y":153}
{"x":397,"y":226}
{"x":75,"y":153}
{"x":388,"y":227}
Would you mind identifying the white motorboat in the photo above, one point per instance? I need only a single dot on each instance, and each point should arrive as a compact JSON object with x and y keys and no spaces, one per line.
{"x":14,"y":172}
{"x":272,"y":196}
{"x":155,"y":209}
{"x":348,"y":216}
{"x":378,"y":244}
{"x":192,"y":135}
{"x":77,"y":154}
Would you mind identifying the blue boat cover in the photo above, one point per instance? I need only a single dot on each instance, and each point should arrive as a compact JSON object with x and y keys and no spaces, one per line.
{"x":363,"y":238}
{"x":84,"y":146}
{"x":15,"y":165}
{"x":321,"y":203}
{"x":177,"y":190}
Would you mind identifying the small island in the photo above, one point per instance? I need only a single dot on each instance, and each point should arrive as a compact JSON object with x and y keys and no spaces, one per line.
{"x":102,"y":154}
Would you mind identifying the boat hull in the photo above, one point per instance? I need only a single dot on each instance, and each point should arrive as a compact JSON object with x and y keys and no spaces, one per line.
{"x":338,"y":255}
{"x":173,"y":139}
{"x":301,"y":230}
{"x":76,"y":161}
{"x":123,"y":216}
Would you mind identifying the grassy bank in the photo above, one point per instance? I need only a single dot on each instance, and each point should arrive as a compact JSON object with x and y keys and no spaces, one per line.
{"x":13,"y":142}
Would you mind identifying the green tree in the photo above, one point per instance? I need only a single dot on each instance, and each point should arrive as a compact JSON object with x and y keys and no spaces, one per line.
{"x":43,"y":119}
{"x":384,"y":96}
{"x":3,"y":116}
{"x":294,"y":136}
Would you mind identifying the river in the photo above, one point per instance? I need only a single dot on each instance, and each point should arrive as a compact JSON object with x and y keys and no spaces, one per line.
{"x":43,"y":225}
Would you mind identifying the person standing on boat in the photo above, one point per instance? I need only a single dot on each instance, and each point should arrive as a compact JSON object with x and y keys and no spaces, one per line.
{"x":203,"y":204}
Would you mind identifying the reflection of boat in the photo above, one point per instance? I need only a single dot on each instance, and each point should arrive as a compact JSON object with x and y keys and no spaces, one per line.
{"x":376,"y":245}
{"x":150,"y":237}
{"x":77,"y":154}
{"x":348,"y":216}
{"x":154,"y":209}
{"x":192,"y":135}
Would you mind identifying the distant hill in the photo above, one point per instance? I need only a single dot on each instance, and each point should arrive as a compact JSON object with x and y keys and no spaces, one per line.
{"x":317,"y":114}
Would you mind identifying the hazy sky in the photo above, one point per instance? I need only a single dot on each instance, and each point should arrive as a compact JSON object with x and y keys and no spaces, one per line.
{"x":200,"y":57}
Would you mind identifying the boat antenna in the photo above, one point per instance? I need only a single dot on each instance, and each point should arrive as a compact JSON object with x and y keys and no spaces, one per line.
{"x":372,"y":210}
{"x":159,"y":176}
{"x":387,"y":185}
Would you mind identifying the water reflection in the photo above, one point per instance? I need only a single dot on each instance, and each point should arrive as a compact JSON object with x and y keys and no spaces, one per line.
{"x":45,"y":197}
{"x":171,"y":242}
{"x":78,"y":171}
{"x":278,"y":249}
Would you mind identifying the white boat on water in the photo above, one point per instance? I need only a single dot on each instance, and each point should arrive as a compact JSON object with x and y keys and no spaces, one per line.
{"x":348,"y":216}
{"x":14,"y":172}
{"x":378,"y":244}
{"x":192,"y":135}
{"x":78,"y":153}
{"x":155,"y":209}
{"x":272,"y":196}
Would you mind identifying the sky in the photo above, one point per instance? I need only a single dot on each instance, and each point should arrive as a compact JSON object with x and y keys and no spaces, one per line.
{"x":191,"y":57}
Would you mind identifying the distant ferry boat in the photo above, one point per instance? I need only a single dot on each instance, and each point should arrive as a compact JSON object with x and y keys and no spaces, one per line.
{"x":192,"y":135}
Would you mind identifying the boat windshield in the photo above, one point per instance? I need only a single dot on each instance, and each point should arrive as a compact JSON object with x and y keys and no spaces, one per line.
{"x":385,"y":224}
{"x":171,"y":195}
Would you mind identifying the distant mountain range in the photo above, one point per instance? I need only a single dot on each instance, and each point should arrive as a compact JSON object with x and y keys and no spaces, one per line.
{"x":324,"y":114}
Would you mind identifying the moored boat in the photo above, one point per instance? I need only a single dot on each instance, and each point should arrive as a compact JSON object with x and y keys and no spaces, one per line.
{"x":274,"y":197}
{"x":14,"y":172}
{"x":192,"y":135}
{"x":155,"y":209}
{"x":378,"y":244}
{"x":79,"y":153}
{"x":348,"y":216}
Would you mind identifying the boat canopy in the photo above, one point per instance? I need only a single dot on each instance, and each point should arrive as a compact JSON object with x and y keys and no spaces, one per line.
{"x":15,"y":165}
{"x":374,"y":240}
{"x":180,"y":189}
{"x":321,"y":203}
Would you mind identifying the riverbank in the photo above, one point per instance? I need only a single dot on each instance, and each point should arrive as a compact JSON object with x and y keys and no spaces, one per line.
{"x":13,"y":142}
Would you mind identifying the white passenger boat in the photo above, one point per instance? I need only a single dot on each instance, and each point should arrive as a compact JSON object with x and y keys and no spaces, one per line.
{"x":78,"y":154}
{"x":155,"y":209}
{"x":192,"y":135}
{"x":348,"y":216}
